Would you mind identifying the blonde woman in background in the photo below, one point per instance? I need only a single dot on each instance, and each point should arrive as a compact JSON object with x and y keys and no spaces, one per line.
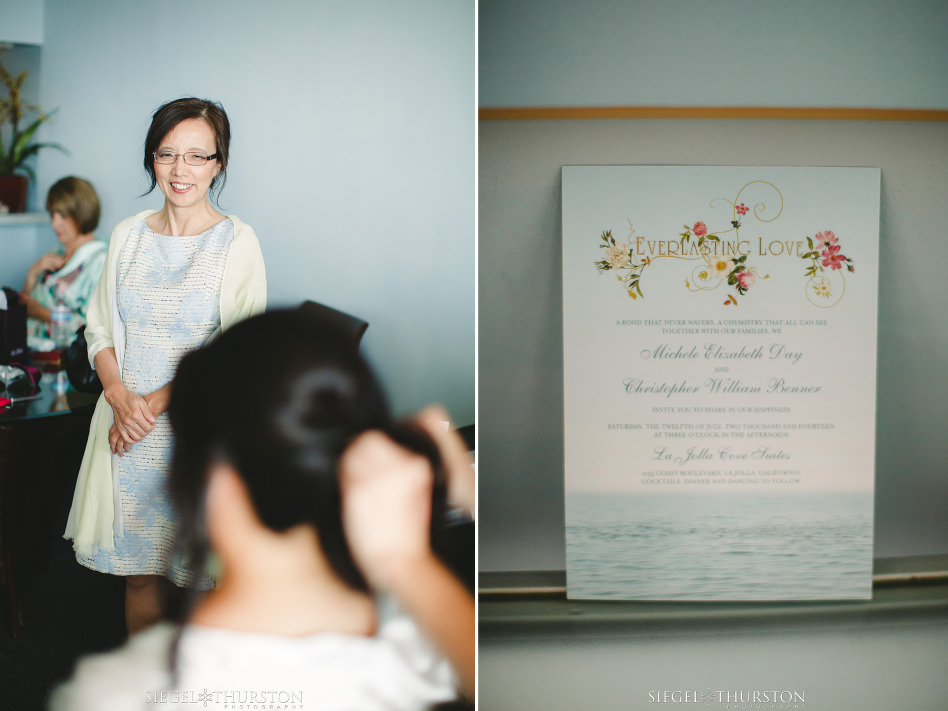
{"x":72,"y":272}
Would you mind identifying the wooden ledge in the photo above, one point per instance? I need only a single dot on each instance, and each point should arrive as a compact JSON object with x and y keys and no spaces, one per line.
{"x":543,"y":113}
{"x":529,"y":618}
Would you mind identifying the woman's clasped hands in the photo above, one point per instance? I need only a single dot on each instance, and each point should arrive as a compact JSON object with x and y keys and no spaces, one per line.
{"x":135,"y":416}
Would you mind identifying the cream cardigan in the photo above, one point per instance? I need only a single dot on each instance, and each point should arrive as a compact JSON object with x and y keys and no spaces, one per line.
{"x":95,"y":514}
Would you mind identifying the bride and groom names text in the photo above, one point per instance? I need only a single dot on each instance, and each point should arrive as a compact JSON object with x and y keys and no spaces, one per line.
{"x":721,"y":385}
{"x":713,"y":351}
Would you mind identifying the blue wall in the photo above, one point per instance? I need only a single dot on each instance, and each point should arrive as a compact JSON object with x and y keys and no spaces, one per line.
{"x":352,"y":153}
{"x":862,"y":53}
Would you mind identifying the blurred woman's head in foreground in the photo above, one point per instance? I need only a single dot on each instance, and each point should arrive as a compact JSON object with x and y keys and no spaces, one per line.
{"x":279,"y":397}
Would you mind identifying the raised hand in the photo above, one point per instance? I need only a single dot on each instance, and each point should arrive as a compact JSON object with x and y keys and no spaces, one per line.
{"x":386,"y":511}
{"x":454,"y":454}
{"x":386,"y":507}
{"x":49,"y":263}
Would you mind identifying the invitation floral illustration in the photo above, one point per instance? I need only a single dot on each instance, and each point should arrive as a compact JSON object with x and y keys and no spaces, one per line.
{"x":720,"y":261}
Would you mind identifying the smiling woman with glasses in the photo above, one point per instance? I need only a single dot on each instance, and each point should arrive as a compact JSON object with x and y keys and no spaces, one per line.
{"x":173,"y":278}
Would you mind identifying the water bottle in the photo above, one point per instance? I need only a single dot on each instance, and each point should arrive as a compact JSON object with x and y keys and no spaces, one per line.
{"x":60,"y":318}
{"x":60,"y":382}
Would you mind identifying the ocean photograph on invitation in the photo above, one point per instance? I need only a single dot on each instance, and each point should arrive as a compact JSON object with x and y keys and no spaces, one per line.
{"x":719,"y":346}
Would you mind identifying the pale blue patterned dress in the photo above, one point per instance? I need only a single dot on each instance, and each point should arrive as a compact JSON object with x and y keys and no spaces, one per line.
{"x":168,"y":296}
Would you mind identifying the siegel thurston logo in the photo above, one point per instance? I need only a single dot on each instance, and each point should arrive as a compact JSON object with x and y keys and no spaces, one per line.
{"x":230,"y":699}
{"x":732,"y":699}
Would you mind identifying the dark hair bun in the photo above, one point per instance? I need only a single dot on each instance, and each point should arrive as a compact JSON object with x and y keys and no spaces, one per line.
{"x":280,"y":396}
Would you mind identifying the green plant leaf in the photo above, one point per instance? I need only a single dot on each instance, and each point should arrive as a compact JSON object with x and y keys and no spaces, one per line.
{"x":34,"y":147}
{"x":21,"y":141}
{"x":809,"y":242}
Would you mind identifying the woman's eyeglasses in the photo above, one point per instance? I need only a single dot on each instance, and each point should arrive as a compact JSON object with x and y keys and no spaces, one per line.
{"x":192,"y":158}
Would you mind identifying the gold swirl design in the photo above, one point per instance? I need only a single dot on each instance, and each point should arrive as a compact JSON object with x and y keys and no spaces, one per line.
{"x":819,"y":291}
{"x":701,"y":277}
{"x":758,"y":208}
{"x":761,"y":205}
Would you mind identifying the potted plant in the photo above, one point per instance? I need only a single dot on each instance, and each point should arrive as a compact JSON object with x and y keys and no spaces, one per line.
{"x":13,"y":155}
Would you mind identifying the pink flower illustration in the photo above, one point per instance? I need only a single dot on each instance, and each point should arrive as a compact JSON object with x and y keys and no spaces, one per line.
{"x":825,"y":239}
{"x":746,"y":279}
{"x":741,"y":210}
{"x":700,"y":229}
{"x":832,"y":258}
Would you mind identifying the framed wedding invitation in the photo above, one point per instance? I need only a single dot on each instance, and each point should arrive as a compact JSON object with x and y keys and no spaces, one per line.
{"x":719,"y":333}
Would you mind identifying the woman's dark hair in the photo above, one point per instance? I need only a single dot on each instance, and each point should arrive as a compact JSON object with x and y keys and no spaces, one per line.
{"x":76,"y":199}
{"x":174,"y":112}
{"x":279,"y":397}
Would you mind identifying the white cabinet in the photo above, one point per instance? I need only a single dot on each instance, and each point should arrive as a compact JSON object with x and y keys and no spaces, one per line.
{"x":23,"y":238}
{"x":21,"y":21}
